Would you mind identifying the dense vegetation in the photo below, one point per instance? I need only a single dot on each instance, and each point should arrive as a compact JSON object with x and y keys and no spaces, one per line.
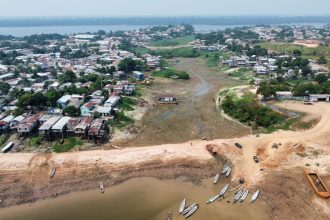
{"x":178,"y":52}
{"x":67,"y":145}
{"x":248,"y":110}
{"x":171,"y":73}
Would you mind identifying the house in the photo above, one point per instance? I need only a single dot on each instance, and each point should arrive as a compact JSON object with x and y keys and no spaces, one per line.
{"x":118,"y":89}
{"x":87,"y":109}
{"x":319,"y":97}
{"x":5,"y":123}
{"x":59,"y":128}
{"x":82,"y":128}
{"x":45,"y":128}
{"x":28,"y":124}
{"x":64,"y":101}
{"x":284,"y":95}
{"x":16,"y":121}
{"x":104,"y":111}
{"x":75,"y":103}
{"x":72,"y":123}
{"x":44,"y":118}
{"x":37,"y":86}
{"x":97,"y":130}
{"x":129,"y":89}
{"x":167,"y":99}
{"x":7,"y":76}
{"x":112,"y":101}
{"x":261,"y":70}
{"x":138,"y":75}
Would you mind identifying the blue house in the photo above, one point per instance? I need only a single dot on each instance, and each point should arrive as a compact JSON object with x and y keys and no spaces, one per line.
{"x":87,"y":109}
{"x":138,"y":75}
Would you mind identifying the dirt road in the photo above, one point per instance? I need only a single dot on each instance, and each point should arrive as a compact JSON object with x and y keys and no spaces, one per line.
{"x":195,"y":117}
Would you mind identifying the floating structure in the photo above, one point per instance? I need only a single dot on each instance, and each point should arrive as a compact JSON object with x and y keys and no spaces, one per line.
{"x":317,"y":184}
{"x":182,"y":206}
{"x":216,"y":178}
{"x":245,"y":194}
{"x":213,"y":199}
{"x":224,"y":190}
{"x":167,"y":99}
{"x":254,"y":196}
{"x":238,"y":195}
{"x":193,"y":209}
{"x":7,"y":147}
{"x":52,"y":172}
{"x":101,"y":187}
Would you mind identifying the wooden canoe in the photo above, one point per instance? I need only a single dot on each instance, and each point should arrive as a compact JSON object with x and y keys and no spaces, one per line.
{"x":317,"y":184}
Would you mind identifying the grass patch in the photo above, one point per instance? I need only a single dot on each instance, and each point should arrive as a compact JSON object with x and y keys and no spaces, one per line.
{"x":177,"y":52}
{"x":127,"y":104}
{"x":121,"y":120}
{"x":172,"y":42}
{"x":213,"y":59}
{"x":307,"y":52}
{"x":67,"y":145}
{"x":171,"y":73}
{"x":3,"y":139}
{"x":35,"y":142}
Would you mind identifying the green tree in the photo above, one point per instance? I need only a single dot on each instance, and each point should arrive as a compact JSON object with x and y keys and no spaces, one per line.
{"x":297,"y":53}
{"x":4,"y":87}
{"x":322,"y":60}
{"x":129,"y":65}
{"x":52,"y":96}
{"x":321,"y":78}
{"x":71,"y":111}
{"x":68,"y":76}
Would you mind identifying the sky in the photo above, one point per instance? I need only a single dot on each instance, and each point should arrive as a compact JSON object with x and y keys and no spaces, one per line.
{"x":36,"y":8}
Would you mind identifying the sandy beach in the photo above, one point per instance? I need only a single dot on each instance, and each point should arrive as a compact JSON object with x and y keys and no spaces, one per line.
{"x":283,"y":156}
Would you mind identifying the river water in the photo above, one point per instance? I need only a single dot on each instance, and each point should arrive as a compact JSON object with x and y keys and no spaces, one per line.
{"x":24,"y":31}
{"x":140,"y":199}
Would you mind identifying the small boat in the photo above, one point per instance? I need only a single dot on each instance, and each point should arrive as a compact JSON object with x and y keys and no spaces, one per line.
{"x":187,"y":210}
{"x":224,"y":190}
{"x":169,"y":215}
{"x":228,"y":172}
{"x":101,"y":187}
{"x":225,"y":169}
{"x":213,"y":199}
{"x":192,"y":211}
{"x":182,"y":206}
{"x":238,"y":195}
{"x":254,"y":196}
{"x":317,"y":184}
{"x":52,"y":172}
{"x":7,"y":147}
{"x":245,"y":194}
{"x":216,"y":178}
{"x":227,"y":164}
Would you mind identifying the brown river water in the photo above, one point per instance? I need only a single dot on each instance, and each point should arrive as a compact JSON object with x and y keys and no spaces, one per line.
{"x":142,"y":198}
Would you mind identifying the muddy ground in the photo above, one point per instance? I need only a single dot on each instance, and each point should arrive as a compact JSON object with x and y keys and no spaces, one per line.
{"x":294,"y":197}
{"x":196,"y":116}
{"x":35,"y":184}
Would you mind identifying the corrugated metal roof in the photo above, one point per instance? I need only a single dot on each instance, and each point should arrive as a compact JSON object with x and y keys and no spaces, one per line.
{"x":49,"y":123}
{"x":61,"y":123}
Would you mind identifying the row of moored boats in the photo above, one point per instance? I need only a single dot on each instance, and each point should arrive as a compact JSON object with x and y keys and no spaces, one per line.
{"x":240,"y":194}
{"x":187,"y":210}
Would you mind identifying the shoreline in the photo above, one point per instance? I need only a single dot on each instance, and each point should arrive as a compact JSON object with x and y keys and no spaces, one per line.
{"x":25,"y":177}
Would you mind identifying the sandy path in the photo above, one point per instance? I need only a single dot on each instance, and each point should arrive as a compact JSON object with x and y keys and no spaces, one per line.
{"x":318,"y":137}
